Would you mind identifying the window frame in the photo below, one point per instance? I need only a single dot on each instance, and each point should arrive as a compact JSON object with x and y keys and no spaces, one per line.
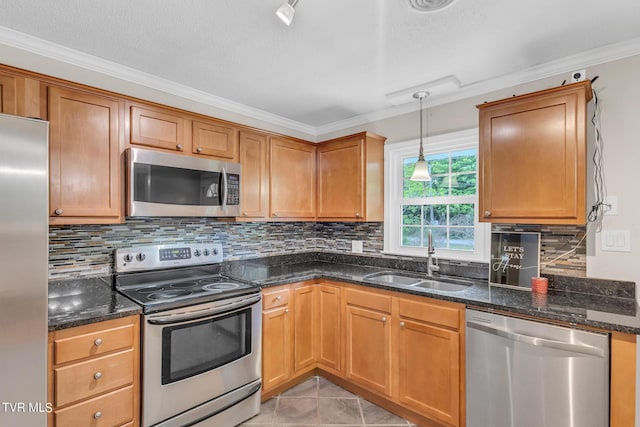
{"x":394,"y":155}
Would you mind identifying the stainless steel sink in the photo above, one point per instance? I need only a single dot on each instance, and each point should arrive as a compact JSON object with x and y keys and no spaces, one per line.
{"x":438,"y":285}
{"x":394,"y":278}
{"x":421,"y":282}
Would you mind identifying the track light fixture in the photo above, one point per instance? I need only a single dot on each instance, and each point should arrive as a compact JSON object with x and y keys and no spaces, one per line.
{"x":287,"y":11}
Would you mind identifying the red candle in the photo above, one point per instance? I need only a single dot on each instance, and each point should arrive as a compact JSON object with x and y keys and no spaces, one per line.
{"x":539,"y":285}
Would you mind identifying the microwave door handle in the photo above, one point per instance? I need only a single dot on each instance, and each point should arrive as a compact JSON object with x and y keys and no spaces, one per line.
{"x":224,"y":189}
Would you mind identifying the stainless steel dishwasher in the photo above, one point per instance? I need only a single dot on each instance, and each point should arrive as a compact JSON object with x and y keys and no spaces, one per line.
{"x":528,"y":374}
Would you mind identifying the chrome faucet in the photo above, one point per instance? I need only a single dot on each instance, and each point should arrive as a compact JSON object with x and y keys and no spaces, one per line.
{"x":431,"y":266}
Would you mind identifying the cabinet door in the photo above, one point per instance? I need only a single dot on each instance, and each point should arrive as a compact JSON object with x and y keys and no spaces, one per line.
{"x":532,"y":158}
{"x":293,"y":179}
{"x":84,"y":157}
{"x":254,"y":191}
{"x":158,"y":129}
{"x":329,"y":339}
{"x":341,"y":179}
{"x":215,"y":140}
{"x":304,"y":327}
{"x":8,"y":97}
{"x":368,"y":349}
{"x":276,"y":347}
{"x":429,"y":370}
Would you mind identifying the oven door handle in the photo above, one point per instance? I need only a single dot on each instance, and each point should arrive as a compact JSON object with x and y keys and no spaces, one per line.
{"x":202,"y":314}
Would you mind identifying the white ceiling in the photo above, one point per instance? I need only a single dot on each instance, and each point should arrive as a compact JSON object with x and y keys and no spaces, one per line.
{"x":339,"y":60}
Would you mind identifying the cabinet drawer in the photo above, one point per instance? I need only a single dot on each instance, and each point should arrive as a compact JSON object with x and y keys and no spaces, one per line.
{"x":85,"y":379}
{"x":431,"y":313}
{"x":92,"y":344}
{"x":369,"y":300}
{"x":111,"y":409}
{"x":275,"y":299}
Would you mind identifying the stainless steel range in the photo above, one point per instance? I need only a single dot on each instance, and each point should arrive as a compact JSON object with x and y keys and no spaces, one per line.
{"x":201,"y":352}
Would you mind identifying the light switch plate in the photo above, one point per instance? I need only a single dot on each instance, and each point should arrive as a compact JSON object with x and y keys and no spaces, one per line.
{"x":356,"y":246}
{"x":615,"y":241}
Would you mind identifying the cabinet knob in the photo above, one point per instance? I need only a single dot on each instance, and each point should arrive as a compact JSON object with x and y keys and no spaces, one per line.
{"x":357,"y":214}
{"x":279,"y":297}
{"x":58,"y":211}
{"x":97,"y":415}
{"x":199,"y":150}
{"x":402,"y":324}
{"x":487,"y":213}
{"x":97,"y":375}
{"x":384,"y":319}
{"x":244,"y":214}
{"x":286,"y":311}
{"x":275,"y":214}
{"x":97,"y":342}
{"x":179,"y":147}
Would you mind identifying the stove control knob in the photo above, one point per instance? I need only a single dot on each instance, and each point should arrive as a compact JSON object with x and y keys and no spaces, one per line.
{"x":197,"y":252}
{"x":127,"y":258}
{"x":214,"y":251}
{"x":141,"y":257}
{"x":205,"y":252}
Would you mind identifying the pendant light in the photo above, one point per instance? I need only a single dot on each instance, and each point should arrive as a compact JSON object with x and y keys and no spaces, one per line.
{"x":287,"y":11}
{"x":421,"y":170}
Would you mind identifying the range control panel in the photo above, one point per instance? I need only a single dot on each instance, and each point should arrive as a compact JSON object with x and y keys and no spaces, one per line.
{"x":154,"y":257}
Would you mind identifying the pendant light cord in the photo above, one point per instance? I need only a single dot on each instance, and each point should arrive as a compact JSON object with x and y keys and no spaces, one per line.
{"x":421,"y":156}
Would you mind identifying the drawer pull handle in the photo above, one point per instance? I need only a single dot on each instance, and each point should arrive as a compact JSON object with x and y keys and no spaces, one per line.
{"x":97,"y":415}
{"x":97,"y":375}
{"x":97,"y":342}
{"x":279,"y":297}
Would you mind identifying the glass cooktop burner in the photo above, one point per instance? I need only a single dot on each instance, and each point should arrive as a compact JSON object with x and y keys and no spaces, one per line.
{"x":169,"y":293}
{"x":221,"y":286}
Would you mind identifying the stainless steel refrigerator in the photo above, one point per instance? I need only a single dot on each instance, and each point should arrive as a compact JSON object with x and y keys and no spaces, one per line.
{"x":24,"y":200}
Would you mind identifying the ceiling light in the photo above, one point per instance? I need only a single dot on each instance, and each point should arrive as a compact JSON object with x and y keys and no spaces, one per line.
{"x":429,"y":5}
{"x":421,"y":170}
{"x":286,"y":11}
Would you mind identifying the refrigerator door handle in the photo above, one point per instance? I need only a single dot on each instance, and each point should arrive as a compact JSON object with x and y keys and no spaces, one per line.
{"x":540,"y":342}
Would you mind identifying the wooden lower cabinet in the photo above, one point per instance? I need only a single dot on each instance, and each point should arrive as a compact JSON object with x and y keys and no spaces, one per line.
{"x":404,"y":352}
{"x":94,"y":374}
{"x":368,"y":340}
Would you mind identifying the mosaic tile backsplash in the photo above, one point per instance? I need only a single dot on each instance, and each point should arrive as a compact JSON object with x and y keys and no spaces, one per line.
{"x":87,"y":250}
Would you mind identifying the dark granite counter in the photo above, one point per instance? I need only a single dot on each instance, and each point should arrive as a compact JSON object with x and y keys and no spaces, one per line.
{"x":83,"y":301}
{"x":610,"y":305}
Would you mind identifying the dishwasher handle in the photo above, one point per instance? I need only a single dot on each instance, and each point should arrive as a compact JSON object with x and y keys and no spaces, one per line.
{"x":540,"y":342}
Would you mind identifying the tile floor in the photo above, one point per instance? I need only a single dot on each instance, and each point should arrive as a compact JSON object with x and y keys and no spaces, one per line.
{"x":319,"y":402}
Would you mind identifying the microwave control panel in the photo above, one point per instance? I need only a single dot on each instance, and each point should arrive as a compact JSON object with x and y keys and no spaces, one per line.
{"x":233,"y":189}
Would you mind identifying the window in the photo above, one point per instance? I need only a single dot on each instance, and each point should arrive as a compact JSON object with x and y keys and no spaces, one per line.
{"x":446,"y":206}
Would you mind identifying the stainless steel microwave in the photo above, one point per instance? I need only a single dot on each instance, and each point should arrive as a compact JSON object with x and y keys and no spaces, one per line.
{"x":165,"y":184}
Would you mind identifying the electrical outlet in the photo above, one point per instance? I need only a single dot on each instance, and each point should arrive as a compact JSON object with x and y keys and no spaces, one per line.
{"x":578,"y":76}
{"x":356,"y":246}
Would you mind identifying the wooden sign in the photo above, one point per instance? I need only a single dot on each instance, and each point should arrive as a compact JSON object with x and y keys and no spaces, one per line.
{"x":515,"y":259}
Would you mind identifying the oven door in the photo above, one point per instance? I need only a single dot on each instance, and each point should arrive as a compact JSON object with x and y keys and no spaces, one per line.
{"x":193,"y":355}
{"x":163,"y":184}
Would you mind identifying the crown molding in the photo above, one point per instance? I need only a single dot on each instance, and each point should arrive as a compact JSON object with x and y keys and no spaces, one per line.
{"x":44,"y":48}
{"x":585,"y":59}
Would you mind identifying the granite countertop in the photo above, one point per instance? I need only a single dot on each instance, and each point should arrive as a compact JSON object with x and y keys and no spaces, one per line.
{"x":613,"y":311}
{"x":83,"y":301}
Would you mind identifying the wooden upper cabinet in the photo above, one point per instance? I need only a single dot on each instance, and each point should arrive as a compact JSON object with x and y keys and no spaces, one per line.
{"x":351,"y":178}
{"x":532,"y":157}
{"x":292,"y":170}
{"x":215,"y":140}
{"x":84,"y":146}
{"x":254,"y":186}
{"x":157,"y":128}
{"x":19,"y":96}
